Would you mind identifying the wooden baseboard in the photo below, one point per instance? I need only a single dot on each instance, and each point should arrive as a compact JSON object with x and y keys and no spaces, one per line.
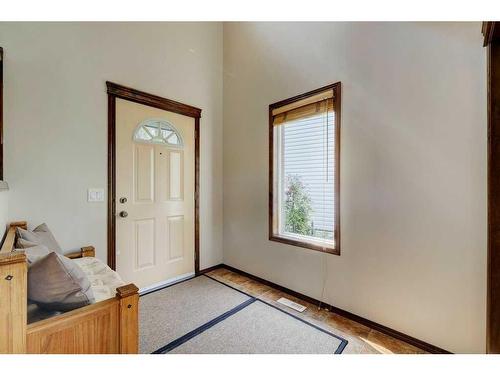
{"x":359,"y":319}
{"x":205,"y":270}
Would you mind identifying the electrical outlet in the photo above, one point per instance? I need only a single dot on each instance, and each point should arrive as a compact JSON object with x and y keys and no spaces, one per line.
{"x":95,"y":195}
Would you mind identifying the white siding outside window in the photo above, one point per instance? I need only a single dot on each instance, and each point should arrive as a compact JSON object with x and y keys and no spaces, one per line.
{"x":307,"y":155}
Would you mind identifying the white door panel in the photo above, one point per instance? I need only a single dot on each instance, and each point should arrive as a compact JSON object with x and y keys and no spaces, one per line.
{"x":144,"y":173}
{"x":144,"y":244}
{"x":155,"y":242}
{"x":175,"y":175}
{"x":175,"y":238}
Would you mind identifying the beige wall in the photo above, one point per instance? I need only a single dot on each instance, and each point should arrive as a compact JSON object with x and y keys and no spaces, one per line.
{"x":56,"y":116}
{"x":413,"y":169}
{"x":413,"y":189}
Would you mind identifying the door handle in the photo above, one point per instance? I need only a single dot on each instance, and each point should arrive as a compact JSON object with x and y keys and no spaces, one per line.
{"x":123,"y":214}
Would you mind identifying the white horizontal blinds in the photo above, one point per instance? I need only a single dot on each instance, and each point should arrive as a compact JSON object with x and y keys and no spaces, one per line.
{"x":307,"y":137}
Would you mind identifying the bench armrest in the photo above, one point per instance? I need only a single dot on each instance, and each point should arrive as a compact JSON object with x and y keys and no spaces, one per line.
{"x":86,"y":251}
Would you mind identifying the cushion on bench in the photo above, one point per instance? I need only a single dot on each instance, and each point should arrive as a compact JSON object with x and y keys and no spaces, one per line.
{"x":57,"y":283}
{"x":103,"y":280}
{"x":41,"y":235}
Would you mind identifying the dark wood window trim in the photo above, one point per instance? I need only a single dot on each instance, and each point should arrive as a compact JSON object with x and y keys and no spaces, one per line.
{"x":118,"y":91}
{"x":336,"y":88}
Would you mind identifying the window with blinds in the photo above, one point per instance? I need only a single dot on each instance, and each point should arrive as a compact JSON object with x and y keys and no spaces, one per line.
{"x":304,"y":171}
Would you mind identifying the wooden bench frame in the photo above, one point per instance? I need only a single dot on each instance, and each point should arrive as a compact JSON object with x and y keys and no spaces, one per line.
{"x":109,"y":326}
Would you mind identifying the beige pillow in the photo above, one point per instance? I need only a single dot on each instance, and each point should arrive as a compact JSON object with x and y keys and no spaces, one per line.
{"x":57,"y":283}
{"x":35,"y":253}
{"x":41,"y":235}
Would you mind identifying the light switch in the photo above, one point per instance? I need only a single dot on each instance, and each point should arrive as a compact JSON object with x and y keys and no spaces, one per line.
{"x":95,"y":195}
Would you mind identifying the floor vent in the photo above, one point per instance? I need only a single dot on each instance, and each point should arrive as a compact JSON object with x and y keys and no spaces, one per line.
{"x":291,"y":304}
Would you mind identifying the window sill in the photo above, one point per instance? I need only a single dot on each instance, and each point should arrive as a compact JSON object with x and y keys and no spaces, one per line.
{"x":304,"y":244}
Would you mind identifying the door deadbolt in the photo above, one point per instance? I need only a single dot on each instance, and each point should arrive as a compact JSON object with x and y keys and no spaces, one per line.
{"x":123,"y":200}
{"x":123,"y":214}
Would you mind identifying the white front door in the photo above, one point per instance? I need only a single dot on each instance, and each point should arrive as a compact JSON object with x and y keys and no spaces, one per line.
{"x":154,"y":194}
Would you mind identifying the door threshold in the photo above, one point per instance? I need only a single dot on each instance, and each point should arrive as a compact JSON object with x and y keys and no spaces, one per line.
{"x":165,"y":283}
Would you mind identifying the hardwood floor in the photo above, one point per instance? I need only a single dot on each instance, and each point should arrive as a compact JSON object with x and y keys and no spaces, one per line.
{"x":362,"y":340}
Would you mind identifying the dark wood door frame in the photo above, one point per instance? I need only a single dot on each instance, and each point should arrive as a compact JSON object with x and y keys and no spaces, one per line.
{"x":491,"y":32}
{"x":118,"y":91}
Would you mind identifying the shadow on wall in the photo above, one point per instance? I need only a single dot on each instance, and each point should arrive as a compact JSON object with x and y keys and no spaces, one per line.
{"x":4,"y":208}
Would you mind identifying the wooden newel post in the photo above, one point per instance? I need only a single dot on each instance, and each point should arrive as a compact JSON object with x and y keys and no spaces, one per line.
{"x":129,"y":321}
{"x":13,"y":307}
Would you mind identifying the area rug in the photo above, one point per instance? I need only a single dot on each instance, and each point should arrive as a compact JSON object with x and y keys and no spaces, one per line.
{"x":170,"y":313}
{"x":205,"y":316}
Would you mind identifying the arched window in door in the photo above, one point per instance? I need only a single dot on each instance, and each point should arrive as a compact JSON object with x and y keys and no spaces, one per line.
{"x":157,"y":131}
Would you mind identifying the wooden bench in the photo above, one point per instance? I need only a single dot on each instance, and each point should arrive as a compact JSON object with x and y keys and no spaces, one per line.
{"x":109,"y":326}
